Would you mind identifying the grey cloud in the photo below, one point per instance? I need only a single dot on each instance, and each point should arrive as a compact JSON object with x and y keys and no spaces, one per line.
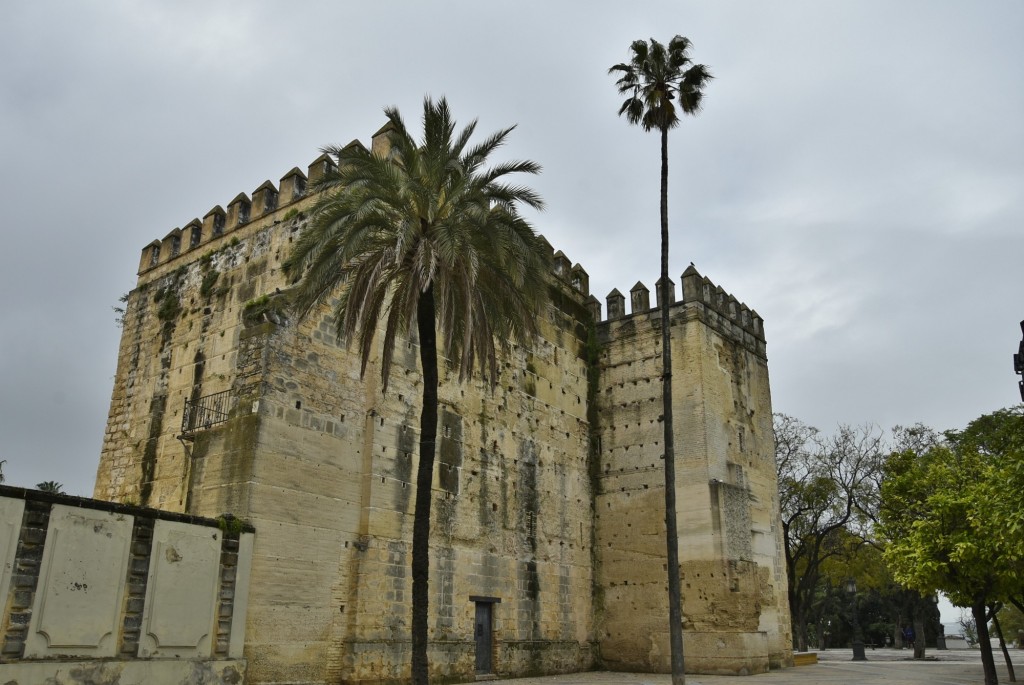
{"x":855,"y":176}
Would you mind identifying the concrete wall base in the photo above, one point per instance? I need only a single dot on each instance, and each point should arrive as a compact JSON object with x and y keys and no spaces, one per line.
{"x":115,"y":672}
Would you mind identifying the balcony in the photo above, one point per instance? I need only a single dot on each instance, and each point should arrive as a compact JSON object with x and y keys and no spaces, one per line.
{"x":206,"y":412}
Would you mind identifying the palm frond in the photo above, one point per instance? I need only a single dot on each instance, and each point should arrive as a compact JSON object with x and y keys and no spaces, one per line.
{"x":659,"y":81}
{"x":429,"y":216}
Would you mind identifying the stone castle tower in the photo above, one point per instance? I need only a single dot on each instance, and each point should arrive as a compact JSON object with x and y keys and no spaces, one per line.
{"x":547,"y":542}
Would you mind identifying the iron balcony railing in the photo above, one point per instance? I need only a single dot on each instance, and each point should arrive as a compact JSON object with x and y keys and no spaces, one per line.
{"x":206,"y":412}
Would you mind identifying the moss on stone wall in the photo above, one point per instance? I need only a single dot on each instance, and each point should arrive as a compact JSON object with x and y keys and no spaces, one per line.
{"x":241,"y":435}
{"x":271,"y":308}
{"x":209,"y":281}
{"x":170,"y":306}
{"x":149,"y":452}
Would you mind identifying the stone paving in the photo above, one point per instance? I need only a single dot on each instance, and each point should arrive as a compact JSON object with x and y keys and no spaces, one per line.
{"x":834,"y":667}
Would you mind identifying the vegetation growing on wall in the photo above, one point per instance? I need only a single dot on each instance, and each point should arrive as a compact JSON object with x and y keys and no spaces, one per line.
{"x":272,"y":308}
{"x":230,"y":525}
{"x":170,"y":305}
{"x":119,"y":312}
{"x":209,"y":281}
{"x":530,"y":379}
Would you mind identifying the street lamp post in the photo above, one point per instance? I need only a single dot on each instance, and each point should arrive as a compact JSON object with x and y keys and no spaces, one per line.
{"x":858,"y":639}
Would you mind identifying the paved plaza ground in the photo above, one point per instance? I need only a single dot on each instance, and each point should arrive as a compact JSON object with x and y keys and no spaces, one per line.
{"x":835,"y":667}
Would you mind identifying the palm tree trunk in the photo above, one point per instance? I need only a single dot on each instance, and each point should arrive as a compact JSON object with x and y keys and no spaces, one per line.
{"x":425,"y":323}
{"x":675,"y":609}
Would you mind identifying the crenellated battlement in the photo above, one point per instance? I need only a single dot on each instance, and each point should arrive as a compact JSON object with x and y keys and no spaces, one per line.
{"x":696,"y":290}
{"x":270,"y":204}
{"x":291,"y":193}
{"x":266,"y":199}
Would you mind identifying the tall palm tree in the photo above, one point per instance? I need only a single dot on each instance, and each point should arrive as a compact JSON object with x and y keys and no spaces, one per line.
{"x":425,"y":236}
{"x":658,"y":83}
{"x":51,"y":486}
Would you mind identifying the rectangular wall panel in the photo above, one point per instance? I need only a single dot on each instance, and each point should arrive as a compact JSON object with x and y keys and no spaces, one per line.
{"x":181,"y":594}
{"x":11,"y":513}
{"x":77,"y":606}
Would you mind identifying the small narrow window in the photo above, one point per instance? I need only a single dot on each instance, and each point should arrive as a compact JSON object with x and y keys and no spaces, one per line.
{"x":196,"y":236}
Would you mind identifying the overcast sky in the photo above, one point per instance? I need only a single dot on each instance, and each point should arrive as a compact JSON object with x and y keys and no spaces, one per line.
{"x":855,"y":177}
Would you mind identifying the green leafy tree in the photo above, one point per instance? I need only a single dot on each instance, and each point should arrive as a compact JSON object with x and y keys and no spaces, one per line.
{"x":885,"y":606}
{"x":953,"y":518}
{"x":51,"y":486}
{"x":831,"y":609}
{"x":425,"y":237}
{"x":824,"y":485}
{"x":1011,"y":622}
{"x":659,"y":83}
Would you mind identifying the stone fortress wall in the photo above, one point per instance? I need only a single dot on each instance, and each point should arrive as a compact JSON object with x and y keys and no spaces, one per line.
{"x":735,"y":606}
{"x":548,"y":511}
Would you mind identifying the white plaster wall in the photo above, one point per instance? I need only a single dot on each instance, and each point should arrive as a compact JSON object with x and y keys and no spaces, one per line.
{"x":181,"y":591}
{"x":11,"y":513}
{"x":82,"y":609}
{"x":77,"y":607}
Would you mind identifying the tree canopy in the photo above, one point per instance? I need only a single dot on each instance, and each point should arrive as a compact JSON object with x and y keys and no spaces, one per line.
{"x":427,"y":216}
{"x":921,"y":513}
{"x":952,"y":516}
{"x":826,"y":483}
{"x":660,"y":82}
